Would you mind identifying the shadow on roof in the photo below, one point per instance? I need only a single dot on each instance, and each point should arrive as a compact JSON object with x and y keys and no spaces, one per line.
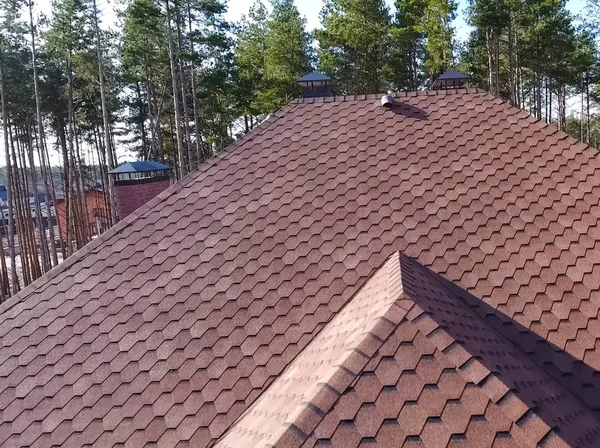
{"x":409,"y":111}
{"x":566,"y":400}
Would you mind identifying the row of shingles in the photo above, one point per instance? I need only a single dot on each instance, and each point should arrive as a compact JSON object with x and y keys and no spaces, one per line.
{"x":530,"y":229}
{"x":501,"y":361}
{"x":390,"y":311}
{"x":209,"y":410}
{"x":530,"y":268}
{"x":436,"y":238}
{"x":70,"y":324}
{"x":212,"y":330}
{"x":559,"y":409}
{"x":413,"y":395}
{"x":567,"y":323}
{"x":479,"y":287}
{"x":49,"y":426}
{"x":265,"y":342}
{"x":180,"y":337}
{"x":290,"y":397}
{"x":118,"y":314}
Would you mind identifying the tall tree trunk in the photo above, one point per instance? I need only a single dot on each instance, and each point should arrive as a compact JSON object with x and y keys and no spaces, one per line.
{"x":180,"y":151}
{"x":105,"y":117}
{"x":142,"y":127}
{"x":587,"y":106}
{"x":71,"y":160}
{"x":15,"y":286}
{"x":151,"y":122}
{"x":488,"y":44}
{"x":54,"y":200}
{"x":195,"y":105}
{"x":511,"y":65}
{"x":183,"y":85}
{"x":40,"y":141}
{"x":38,"y":207}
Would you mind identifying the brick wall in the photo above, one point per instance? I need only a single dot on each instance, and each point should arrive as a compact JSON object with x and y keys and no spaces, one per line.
{"x":132,"y":197}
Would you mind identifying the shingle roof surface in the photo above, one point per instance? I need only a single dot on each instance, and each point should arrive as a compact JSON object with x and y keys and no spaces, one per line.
{"x":324,"y":365}
{"x":419,"y":366}
{"x":167,"y":328}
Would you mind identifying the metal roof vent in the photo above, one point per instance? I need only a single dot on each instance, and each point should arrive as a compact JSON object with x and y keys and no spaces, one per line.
{"x":315,"y":85}
{"x":450,"y":80}
{"x":387,"y":101}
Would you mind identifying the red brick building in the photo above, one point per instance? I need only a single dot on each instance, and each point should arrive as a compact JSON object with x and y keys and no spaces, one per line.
{"x":97,"y":216}
{"x":138,"y":182}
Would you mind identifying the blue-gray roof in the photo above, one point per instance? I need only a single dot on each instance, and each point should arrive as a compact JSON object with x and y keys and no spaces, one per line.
{"x":453,"y":74}
{"x":139,"y":167}
{"x":314,"y":77}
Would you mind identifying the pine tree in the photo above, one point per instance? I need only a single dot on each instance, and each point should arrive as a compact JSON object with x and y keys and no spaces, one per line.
{"x":353,"y":44}
{"x":407,"y":45}
{"x":286,"y":55}
{"x":145,"y":63}
{"x":437,"y":26}
{"x":250,"y":62}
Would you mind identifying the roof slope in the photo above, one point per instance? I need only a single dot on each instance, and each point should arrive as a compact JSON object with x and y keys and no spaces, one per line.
{"x":433,"y":373}
{"x":167,"y":328}
{"x":326,"y":364}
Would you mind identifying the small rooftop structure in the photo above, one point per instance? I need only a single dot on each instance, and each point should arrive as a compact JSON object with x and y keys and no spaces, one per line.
{"x":138,"y":182}
{"x":315,"y":85}
{"x":450,"y":80}
{"x":136,"y":170}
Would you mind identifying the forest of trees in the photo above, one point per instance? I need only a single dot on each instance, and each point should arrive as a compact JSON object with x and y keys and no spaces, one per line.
{"x":174,"y":81}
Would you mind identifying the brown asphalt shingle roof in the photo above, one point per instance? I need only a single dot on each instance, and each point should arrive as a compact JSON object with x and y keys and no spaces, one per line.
{"x":165,"y":330}
{"x":407,"y":360}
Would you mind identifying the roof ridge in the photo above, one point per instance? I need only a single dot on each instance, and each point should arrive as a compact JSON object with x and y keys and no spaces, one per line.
{"x":306,"y":416}
{"x":397,"y":94}
{"x":322,"y":395}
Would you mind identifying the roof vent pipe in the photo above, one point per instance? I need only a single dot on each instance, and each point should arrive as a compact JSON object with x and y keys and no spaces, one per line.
{"x":387,"y":101}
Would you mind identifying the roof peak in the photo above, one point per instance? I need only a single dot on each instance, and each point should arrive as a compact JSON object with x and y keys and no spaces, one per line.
{"x":314,"y":76}
{"x":139,"y":167}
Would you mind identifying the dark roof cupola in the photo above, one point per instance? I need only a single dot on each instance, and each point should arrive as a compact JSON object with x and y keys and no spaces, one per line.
{"x":450,"y":80}
{"x":315,"y":85}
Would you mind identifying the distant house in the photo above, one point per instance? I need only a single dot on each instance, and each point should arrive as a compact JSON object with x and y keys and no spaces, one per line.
{"x":43,"y":205}
{"x":97,"y":213}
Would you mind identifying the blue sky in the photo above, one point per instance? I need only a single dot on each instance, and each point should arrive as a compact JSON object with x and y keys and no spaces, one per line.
{"x":311,"y":8}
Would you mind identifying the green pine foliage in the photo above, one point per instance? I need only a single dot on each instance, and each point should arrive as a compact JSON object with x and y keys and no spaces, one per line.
{"x":354,"y":44}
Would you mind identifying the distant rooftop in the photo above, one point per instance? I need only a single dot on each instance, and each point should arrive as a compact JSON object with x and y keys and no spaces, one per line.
{"x":453,"y":74}
{"x":139,"y":167}
{"x":314,"y":77}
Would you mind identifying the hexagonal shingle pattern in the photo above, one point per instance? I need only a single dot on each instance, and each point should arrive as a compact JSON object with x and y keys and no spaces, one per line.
{"x":324,"y":368}
{"x":168,"y":327}
{"x":419,"y":368}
